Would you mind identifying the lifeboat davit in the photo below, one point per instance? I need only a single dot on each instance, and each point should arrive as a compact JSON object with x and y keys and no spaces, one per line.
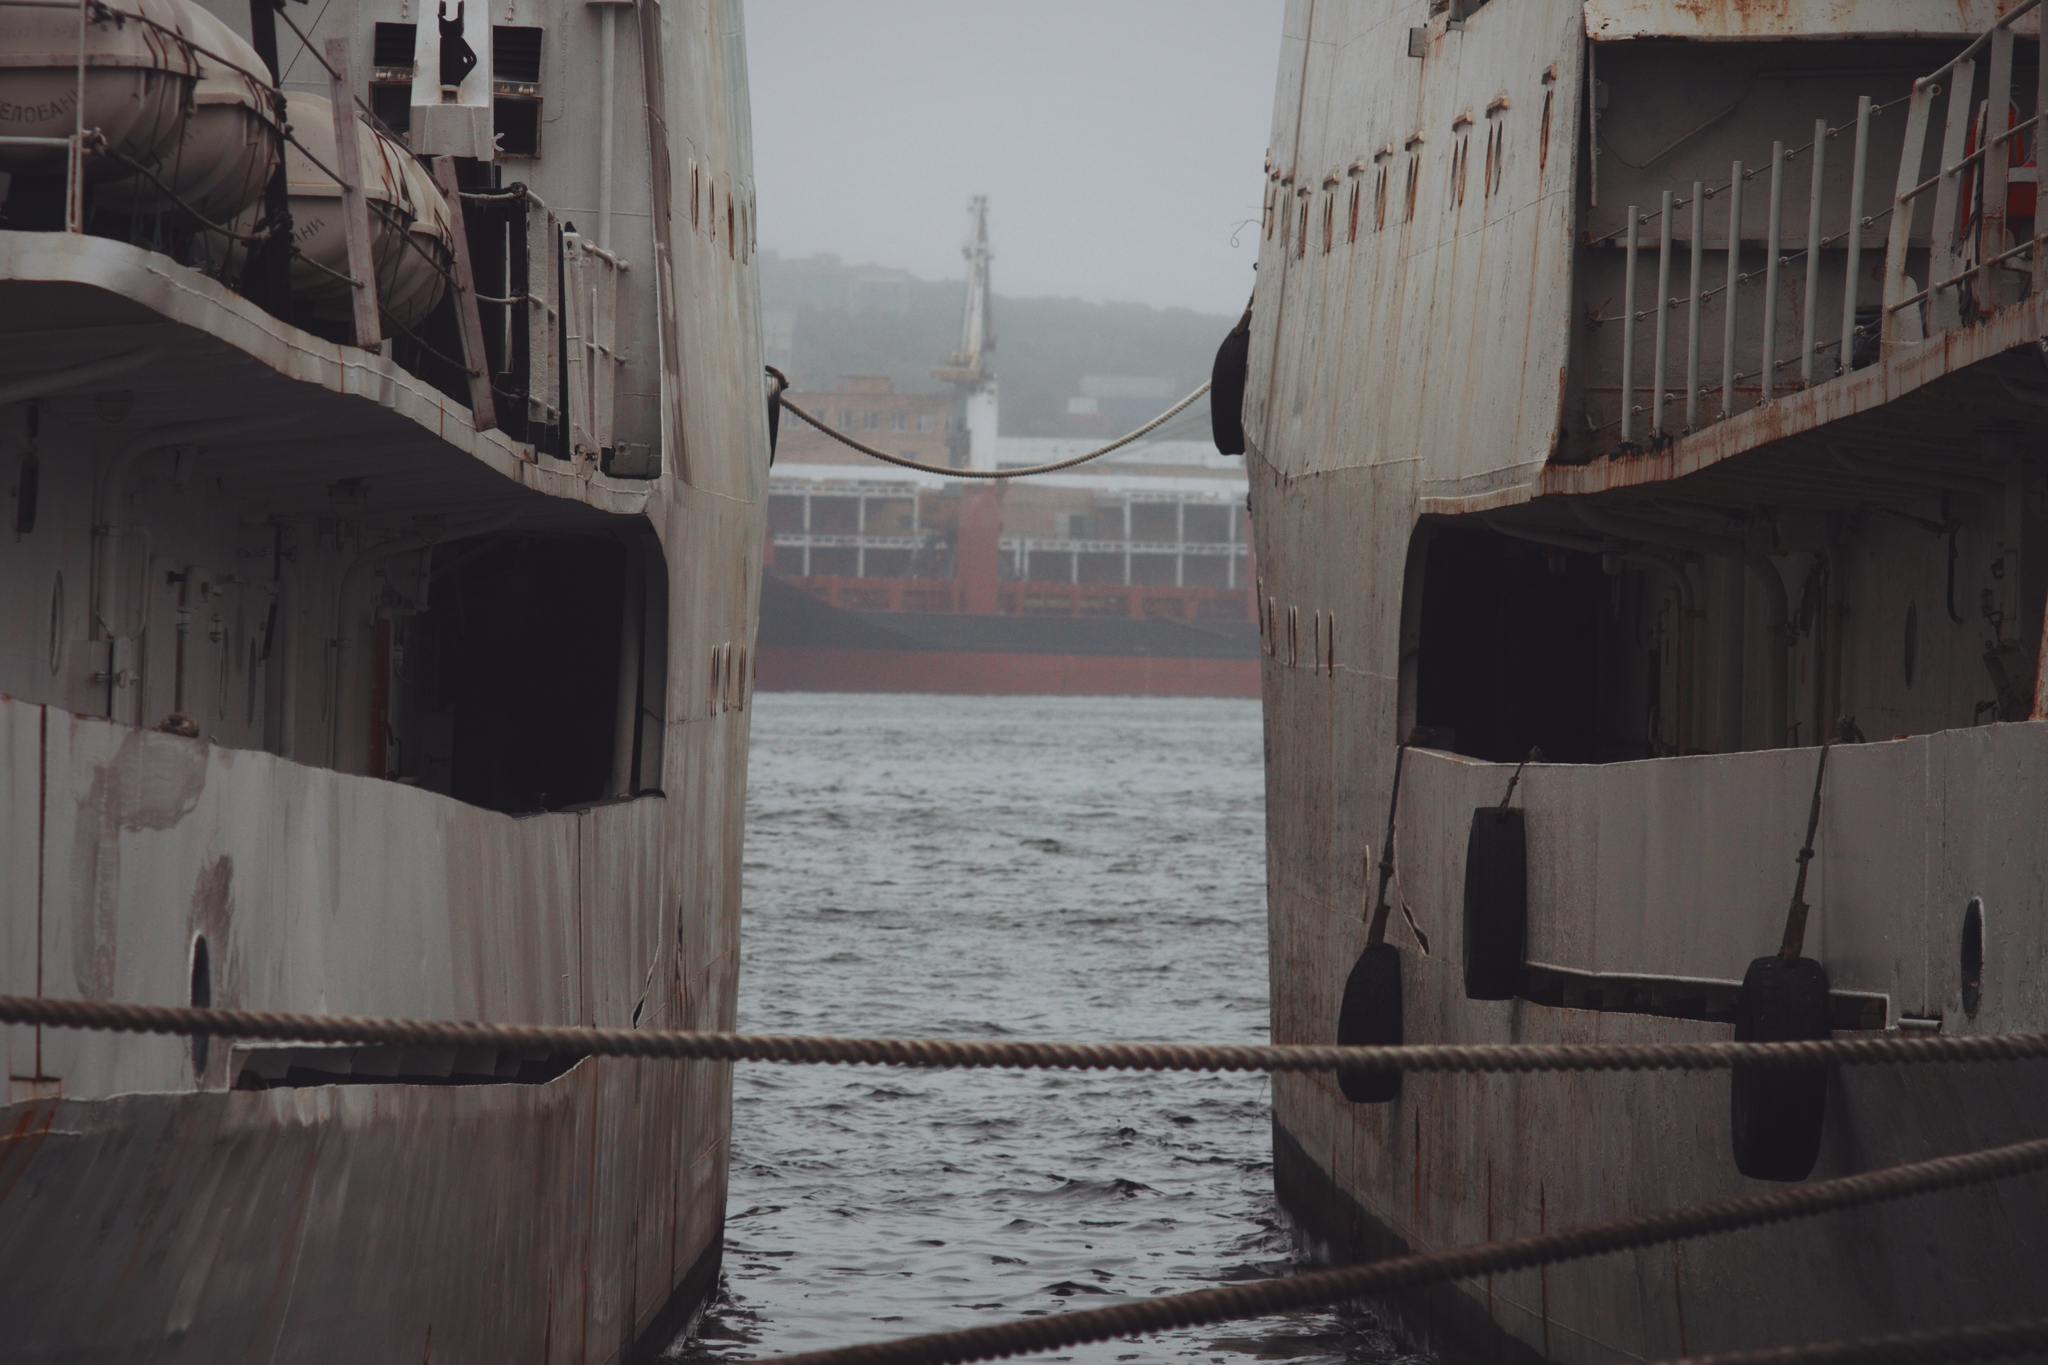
{"x":228,"y":142}
{"x":139,"y":77}
{"x":412,"y":238}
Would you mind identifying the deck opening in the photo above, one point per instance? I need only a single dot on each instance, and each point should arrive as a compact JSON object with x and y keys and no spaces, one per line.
{"x":1511,"y":640}
{"x":535,"y":678}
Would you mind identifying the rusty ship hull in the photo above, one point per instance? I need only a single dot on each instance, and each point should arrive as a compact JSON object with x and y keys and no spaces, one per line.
{"x":402,"y":675}
{"x":1519,"y":481}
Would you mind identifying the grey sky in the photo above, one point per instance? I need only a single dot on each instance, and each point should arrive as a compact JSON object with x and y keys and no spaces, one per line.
{"x":1120,"y":142}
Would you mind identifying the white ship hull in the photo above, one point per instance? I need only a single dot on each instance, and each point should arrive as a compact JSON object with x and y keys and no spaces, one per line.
{"x":1491,"y":508}
{"x":322,"y":689}
{"x":1648,"y":870}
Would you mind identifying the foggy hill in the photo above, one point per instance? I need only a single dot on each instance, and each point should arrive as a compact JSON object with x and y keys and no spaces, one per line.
{"x":824,"y":318}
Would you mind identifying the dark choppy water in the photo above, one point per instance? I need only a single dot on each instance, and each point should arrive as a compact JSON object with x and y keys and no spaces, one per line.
{"x":1081,"y":868}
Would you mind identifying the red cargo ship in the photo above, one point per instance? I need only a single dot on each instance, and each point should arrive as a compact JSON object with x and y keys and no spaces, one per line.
{"x":1128,"y":582}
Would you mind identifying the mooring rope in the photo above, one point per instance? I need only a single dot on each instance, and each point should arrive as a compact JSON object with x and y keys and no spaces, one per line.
{"x":573,"y":1040}
{"x":1258,"y":1298}
{"x":1989,"y":1341}
{"x":1322,"y":1288}
{"x":1054,"y":467}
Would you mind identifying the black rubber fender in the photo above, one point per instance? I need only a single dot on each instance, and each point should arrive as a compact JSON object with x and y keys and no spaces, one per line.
{"x":1226,"y":387}
{"x":1496,"y":904}
{"x":779,"y":383}
{"x":1775,"y":1114}
{"x":1371,"y":1016}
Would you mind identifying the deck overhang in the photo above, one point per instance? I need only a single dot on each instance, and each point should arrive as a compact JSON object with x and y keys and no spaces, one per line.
{"x":1909,"y":399}
{"x":185,"y":353}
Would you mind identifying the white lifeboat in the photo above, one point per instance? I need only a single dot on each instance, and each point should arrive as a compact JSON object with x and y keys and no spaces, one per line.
{"x":139,"y":75}
{"x":406,"y":212}
{"x":230,"y":140}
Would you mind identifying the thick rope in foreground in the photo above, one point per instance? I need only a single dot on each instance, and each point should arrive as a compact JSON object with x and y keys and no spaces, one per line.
{"x":1990,"y":1341}
{"x":1054,"y":467}
{"x":569,"y":1040}
{"x":1322,"y":1288}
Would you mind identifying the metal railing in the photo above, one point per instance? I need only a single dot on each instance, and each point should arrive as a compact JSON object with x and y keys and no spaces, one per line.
{"x":1970,"y":266}
{"x":73,"y":146}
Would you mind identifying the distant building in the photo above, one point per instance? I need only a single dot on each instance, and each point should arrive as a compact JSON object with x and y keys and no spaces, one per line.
{"x":868,"y":408}
{"x":1122,"y":397}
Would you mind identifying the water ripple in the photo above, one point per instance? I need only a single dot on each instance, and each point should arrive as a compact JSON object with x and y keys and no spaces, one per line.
{"x":1081,"y":868}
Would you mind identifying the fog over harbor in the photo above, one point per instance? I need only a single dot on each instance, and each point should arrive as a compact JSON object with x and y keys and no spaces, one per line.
{"x":1121,"y":146}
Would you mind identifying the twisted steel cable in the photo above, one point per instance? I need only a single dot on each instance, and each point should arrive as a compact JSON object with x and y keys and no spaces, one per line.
{"x":1987,"y":1341}
{"x":1322,"y":1288}
{"x":571,"y":1040}
{"x":1118,"y":444}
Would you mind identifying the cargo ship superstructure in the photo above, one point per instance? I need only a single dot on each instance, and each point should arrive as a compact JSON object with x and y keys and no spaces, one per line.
{"x":386,"y":456}
{"x":1660,"y":386}
{"x":1129,"y":577}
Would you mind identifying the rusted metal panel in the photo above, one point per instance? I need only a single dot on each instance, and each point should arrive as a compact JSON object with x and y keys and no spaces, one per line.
{"x":277,"y":364}
{"x":1627,"y":875}
{"x":708,"y":269}
{"x":1657,"y":863}
{"x":1442,"y":327}
{"x":463,"y":914}
{"x":265,"y":846}
{"x":1794,"y":414}
{"x":241,"y":1220}
{"x":222,"y":1236}
{"x":1617,"y":20}
{"x":1653,"y":867}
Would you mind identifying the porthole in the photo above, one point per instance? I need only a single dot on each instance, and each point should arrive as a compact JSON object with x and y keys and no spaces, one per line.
{"x":1973,"y":957}
{"x":1912,"y":640}
{"x":57,"y":625}
{"x":202,"y":997}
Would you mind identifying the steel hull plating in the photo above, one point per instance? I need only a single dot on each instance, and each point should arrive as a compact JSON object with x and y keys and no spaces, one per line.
{"x":491,"y":1219}
{"x":1430,"y":348}
{"x":1648,"y":868}
{"x":241,"y":1225}
{"x":319,"y":691}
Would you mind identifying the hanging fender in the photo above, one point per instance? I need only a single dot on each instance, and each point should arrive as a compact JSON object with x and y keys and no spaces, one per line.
{"x":778,"y":384}
{"x":1226,"y":386}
